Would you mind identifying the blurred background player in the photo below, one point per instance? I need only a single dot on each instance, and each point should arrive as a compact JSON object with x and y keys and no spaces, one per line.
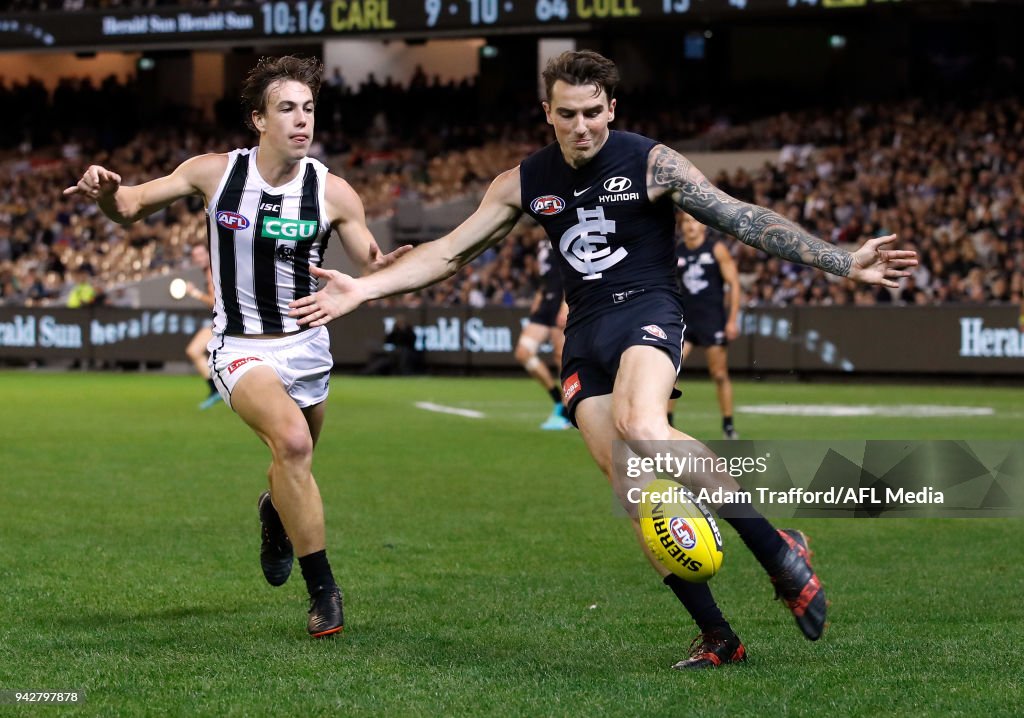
{"x":546,"y":323}
{"x":705,"y":270}
{"x":196,"y":349}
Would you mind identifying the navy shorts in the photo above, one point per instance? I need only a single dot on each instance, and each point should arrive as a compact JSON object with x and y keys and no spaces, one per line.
{"x":590,"y":359}
{"x":547,"y":311}
{"x":704,"y":331}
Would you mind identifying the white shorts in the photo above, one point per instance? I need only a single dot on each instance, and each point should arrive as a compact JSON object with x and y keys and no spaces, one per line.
{"x":303,"y":362}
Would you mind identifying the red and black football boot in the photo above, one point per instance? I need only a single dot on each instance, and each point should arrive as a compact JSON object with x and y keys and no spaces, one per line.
{"x":276,"y":554}
{"x":798,"y":586}
{"x":326,"y":612}
{"x":712,"y":650}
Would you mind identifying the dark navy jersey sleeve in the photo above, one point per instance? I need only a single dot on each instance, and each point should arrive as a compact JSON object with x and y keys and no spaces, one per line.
{"x":610,"y":242}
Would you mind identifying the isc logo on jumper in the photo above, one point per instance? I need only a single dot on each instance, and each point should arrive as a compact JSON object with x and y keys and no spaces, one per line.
{"x":290,"y":230}
{"x":232,"y":220}
{"x":548,"y":204}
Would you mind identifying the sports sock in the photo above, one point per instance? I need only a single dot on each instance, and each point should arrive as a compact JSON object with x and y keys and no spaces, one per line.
{"x":316,"y":570}
{"x":213,"y":387}
{"x":727,"y":423}
{"x":757,"y":533}
{"x":698,"y":601}
{"x":556,"y":394}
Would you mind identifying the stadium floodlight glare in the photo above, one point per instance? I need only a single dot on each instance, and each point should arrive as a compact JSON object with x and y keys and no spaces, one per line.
{"x":178,"y":288}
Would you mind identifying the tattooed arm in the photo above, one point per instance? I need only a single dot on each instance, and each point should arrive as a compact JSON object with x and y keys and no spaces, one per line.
{"x":668,"y":172}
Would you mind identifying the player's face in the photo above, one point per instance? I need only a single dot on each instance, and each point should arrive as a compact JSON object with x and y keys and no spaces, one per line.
{"x":287,"y":124}
{"x":200,"y":256}
{"x":693,"y":231}
{"x":580,"y":115}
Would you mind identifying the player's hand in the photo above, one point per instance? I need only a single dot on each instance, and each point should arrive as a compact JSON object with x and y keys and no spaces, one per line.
{"x":874,"y":265}
{"x":379,"y":260}
{"x":97,"y":182}
{"x":340,"y":295}
{"x":732,"y":330}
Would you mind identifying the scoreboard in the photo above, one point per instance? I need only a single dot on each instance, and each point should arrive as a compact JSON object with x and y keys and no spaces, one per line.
{"x":312,"y":20}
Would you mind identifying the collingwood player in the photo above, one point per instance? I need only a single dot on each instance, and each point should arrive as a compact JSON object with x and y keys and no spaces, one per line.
{"x":607,"y":201}
{"x":705,"y":269}
{"x":546,"y":322}
{"x":270,"y":210}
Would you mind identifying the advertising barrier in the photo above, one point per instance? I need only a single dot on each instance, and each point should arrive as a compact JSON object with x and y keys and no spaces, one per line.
{"x":958,"y":339}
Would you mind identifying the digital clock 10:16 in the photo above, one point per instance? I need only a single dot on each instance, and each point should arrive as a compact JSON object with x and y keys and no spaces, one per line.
{"x":278,"y":18}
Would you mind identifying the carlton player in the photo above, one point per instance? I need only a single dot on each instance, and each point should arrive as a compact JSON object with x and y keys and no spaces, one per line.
{"x":270,"y":211}
{"x":705,"y":271}
{"x":607,"y":201}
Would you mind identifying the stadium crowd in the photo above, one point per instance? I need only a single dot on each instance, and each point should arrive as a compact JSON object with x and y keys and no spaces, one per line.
{"x":948,"y":179}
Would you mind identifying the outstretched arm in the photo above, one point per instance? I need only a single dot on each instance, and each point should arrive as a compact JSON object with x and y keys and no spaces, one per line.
{"x":669,"y":172}
{"x":426,"y":264}
{"x":348,"y":218}
{"x":124,"y":205}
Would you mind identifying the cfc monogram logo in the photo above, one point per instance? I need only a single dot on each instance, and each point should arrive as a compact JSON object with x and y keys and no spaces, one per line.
{"x":585,"y":244}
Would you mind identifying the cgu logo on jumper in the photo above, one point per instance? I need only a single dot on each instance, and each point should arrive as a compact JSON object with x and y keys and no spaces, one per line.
{"x":290,"y":230}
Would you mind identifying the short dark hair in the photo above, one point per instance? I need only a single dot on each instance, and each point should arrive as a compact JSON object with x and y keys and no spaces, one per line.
{"x":268,"y":70}
{"x":581,"y":67}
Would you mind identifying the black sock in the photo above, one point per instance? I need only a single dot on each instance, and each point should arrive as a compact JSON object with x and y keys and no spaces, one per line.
{"x":556,"y":394}
{"x":670,"y":417}
{"x":698,"y":601}
{"x":317,"y":571}
{"x":213,"y":387}
{"x":757,"y":533}
{"x":727,"y":423}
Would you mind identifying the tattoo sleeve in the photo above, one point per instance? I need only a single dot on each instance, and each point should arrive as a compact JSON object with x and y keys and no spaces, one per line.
{"x":757,"y":226}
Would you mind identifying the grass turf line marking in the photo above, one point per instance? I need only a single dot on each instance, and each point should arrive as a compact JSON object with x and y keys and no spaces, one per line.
{"x":442,"y":409}
{"x":913,"y":410}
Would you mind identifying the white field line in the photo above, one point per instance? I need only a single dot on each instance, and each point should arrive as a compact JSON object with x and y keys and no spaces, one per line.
{"x":442,"y":409}
{"x":911,"y":410}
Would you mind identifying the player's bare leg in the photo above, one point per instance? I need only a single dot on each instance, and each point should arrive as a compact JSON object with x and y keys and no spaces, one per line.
{"x":526,"y":353}
{"x":718,"y":369}
{"x":290,"y":433}
{"x":717,"y":643}
{"x":644,"y":379}
{"x":196,"y":353}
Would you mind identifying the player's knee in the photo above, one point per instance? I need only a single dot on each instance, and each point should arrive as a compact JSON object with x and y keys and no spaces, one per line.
{"x":524,"y":353}
{"x":720,"y":376}
{"x":293,"y":444}
{"x":638,"y":425}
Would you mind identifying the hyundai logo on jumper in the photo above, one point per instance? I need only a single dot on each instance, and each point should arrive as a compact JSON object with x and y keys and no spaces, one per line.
{"x":232,"y":220}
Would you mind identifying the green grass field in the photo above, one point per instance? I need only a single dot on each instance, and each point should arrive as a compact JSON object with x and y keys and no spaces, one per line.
{"x":484,"y":570}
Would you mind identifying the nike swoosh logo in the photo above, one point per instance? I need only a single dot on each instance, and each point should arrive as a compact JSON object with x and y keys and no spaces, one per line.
{"x":577,"y":194}
{"x":649,"y":339}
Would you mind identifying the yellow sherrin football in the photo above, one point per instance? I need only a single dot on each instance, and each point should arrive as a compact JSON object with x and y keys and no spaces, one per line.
{"x":680,"y":532}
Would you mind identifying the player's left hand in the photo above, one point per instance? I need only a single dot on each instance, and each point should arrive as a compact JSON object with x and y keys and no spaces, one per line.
{"x":379,"y":260}
{"x":340,"y":295}
{"x":874,"y":265}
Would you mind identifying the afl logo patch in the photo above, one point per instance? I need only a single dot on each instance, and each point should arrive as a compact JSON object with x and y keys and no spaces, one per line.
{"x":683,"y":533}
{"x":232,"y":220}
{"x":655,"y":330}
{"x":548,"y":204}
{"x":617,"y":184}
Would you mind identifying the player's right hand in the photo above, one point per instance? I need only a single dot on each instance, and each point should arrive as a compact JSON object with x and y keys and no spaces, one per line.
{"x":340,"y":295}
{"x":95,"y":183}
